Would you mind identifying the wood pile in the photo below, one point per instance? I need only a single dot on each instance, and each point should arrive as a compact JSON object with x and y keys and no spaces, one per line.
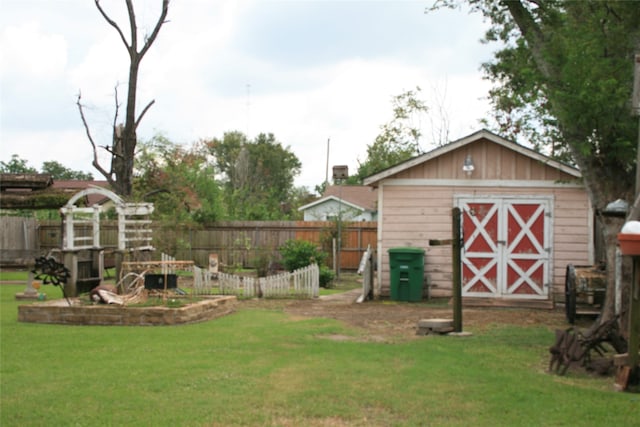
{"x":572,"y":345}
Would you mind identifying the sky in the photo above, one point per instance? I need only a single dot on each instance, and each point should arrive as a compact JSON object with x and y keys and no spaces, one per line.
{"x":317,"y":74}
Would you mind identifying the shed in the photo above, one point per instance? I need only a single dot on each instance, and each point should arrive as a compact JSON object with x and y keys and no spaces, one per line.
{"x":348,"y":202}
{"x":525,"y":216}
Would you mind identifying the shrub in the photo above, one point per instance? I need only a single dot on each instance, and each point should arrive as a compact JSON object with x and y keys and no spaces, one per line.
{"x":262,"y":263}
{"x":300,"y":253}
{"x":326,"y":277}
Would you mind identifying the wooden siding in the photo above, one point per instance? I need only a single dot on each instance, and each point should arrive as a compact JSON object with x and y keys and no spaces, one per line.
{"x":491,"y":162}
{"x":414,"y":214}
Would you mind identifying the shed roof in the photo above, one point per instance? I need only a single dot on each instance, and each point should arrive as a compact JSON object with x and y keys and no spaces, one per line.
{"x":462,"y":142}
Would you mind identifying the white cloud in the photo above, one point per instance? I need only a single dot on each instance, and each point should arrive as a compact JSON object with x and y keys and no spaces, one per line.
{"x":305,"y":71}
{"x":69,"y":148}
{"x":27,"y":51}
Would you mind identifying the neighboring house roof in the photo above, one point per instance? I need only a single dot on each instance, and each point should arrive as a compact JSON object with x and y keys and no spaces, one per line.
{"x":356,"y":196}
{"x":75,"y":186}
{"x":455,"y":145}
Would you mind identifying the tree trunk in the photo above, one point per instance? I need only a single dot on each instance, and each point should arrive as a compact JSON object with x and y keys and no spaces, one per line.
{"x":124,"y":139}
{"x":610,"y":227}
{"x":129,"y":141}
{"x":603,"y":185}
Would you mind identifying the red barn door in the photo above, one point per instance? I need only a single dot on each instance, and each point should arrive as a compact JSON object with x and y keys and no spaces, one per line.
{"x":506,"y":250}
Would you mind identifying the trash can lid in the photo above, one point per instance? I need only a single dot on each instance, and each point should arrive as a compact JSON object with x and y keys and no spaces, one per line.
{"x":406,"y":250}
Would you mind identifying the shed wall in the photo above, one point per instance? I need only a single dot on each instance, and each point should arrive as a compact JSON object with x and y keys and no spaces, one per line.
{"x":413,"y":214}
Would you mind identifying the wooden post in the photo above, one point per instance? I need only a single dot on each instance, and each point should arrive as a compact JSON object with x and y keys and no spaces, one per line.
{"x":70,"y":260}
{"x":634,"y":319}
{"x":456,"y":257}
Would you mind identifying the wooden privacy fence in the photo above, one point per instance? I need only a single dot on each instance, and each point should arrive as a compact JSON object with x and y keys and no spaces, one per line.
{"x":18,"y":240}
{"x":237,"y":243}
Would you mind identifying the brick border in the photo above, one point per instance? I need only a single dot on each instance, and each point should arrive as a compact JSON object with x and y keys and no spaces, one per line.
{"x":58,"y":312}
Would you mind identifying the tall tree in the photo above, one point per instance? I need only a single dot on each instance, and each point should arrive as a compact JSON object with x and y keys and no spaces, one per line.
{"x":179,"y":181}
{"x":398,"y":140}
{"x":16,"y":165}
{"x":569,"y":66}
{"x":258,"y":175}
{"x":59,"y":171}
{"x":52,"y":167}
{"x":124,"y":137}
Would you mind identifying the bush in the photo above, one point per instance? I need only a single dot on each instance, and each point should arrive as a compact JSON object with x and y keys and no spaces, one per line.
{"x":326,"y":277}
{"x":301,"y":253}
{"x":262,"y":263}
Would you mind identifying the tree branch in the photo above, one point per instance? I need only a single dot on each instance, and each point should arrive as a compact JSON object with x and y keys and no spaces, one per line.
{"x":113,"y":24}
{"x":143,"y":112}
{"x":532,"y":34}
{"x":95,"y":162}
{"x":161,"y":20}
{"x":634,"y":212}
{"x":115,"y":116}
{"x":134,"y":29}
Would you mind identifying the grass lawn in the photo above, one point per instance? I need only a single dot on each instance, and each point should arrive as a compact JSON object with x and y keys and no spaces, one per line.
{"x":13,"y":275}
{"x":262,"y":367}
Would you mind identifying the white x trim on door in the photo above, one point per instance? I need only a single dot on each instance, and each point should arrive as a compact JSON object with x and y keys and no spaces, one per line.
{"x":506,"y":251}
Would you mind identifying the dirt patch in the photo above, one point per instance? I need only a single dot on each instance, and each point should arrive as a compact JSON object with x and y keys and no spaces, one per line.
{"x":389,"y":320}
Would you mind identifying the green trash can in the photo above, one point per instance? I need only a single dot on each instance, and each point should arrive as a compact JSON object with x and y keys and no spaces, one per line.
{"x":407,"y":273}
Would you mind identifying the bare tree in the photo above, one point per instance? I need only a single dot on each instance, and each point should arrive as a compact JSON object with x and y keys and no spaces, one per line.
{"x":124,"y":138}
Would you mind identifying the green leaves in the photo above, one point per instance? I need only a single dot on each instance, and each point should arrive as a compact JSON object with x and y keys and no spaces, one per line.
{"x":232,"y":178}
{"x":52,"y":167}
{"x":563,"y":82}
{"x":179,"y":181}
{"x":16,"y":165}
{"x":257,"y":176}
{"x":399,"y":139}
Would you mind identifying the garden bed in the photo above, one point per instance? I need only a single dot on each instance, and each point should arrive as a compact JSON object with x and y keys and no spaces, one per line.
{"x":78,"y":313}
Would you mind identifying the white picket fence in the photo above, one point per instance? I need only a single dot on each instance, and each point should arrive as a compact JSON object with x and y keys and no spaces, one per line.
{"x":167,"y":268}
{"x":202,"y":283}
{"x":302,"y":283}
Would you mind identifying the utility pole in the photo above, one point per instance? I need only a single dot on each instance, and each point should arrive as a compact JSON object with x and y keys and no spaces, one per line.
{"x":326,"y":169}
{"x":340,"y":173}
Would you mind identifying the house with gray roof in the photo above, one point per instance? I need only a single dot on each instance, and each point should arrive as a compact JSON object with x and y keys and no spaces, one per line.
{"x":348,"y":202}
